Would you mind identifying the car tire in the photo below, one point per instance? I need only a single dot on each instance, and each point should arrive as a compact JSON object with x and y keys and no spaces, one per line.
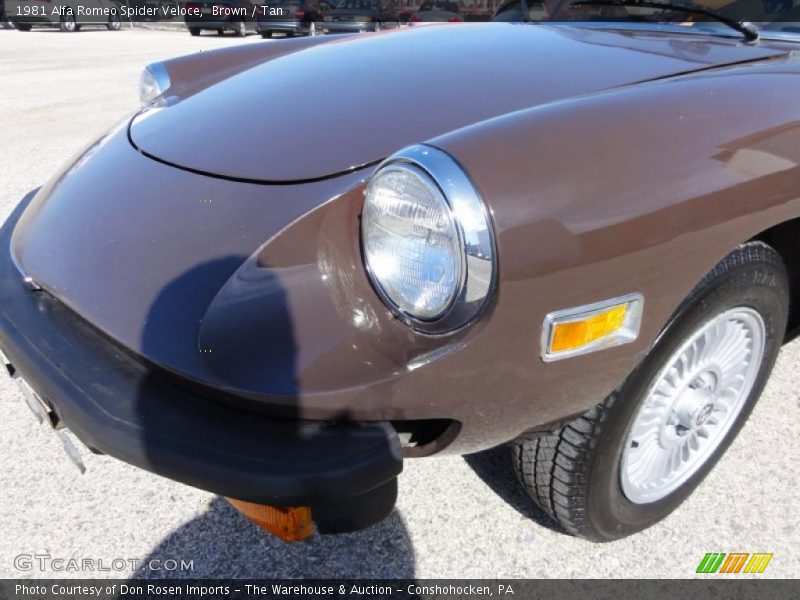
{"x":114,"y":24}
{"x":23,"y":26}
{"x":67,"y":22}
{"x":587,"y":475}
{"x":241,"y":29}
{"x":220,"y":32}
{"x":266,"y":34}
{"x":194,"y":31}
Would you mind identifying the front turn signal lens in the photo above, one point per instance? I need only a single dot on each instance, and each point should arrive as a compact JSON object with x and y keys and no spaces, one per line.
{"x":289,"y":524}
{"x":568,"y":336}
{"x":592,"y":327}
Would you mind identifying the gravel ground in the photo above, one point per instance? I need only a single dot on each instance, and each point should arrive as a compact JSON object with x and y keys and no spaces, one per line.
{"x":455,"y":517}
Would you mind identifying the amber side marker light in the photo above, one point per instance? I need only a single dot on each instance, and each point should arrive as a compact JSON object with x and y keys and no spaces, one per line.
{"x":289,"y":524}
{"x":585,"y":329}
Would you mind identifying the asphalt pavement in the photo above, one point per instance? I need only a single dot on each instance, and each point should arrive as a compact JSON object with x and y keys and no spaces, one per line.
{"x":456,"y":517}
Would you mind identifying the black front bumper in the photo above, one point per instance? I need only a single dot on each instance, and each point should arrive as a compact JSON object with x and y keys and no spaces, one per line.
{"x":120,"y":406}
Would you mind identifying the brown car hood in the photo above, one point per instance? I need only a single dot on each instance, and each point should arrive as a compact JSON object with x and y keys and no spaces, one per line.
{"x":346,"y":103}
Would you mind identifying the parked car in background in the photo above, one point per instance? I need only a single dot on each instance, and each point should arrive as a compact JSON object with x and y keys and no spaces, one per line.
{"x":516,"y":11}
{"x":438,"y":12}
{"x":4,"y":22}
{"x":238,"y":16}
{"x":295,"y":17}
{"x":596,"y":263}
{"x":354,"y":16}
{"x":477,"y":10}
{"x":64,"y":14}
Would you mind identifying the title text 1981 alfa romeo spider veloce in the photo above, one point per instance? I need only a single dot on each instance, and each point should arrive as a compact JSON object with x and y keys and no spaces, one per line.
{"x":582,"y":241}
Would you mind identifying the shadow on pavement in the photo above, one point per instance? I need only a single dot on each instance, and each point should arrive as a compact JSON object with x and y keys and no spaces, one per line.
{"x":494,"y":468}
{"x":224,"y":544}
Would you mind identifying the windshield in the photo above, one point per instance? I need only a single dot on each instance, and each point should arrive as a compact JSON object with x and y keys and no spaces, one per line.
{"x":768,"y":15}
{"x":358,"y":5}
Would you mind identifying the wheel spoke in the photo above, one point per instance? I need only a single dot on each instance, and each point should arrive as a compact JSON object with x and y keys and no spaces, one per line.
{"x":692,"y":404}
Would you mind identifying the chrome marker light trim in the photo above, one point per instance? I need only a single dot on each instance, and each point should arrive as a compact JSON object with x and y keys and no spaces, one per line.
{"x":626,"y":334}
{"x":476,"y":236}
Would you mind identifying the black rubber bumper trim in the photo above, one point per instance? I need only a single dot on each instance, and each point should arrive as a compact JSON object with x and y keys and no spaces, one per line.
{"x":116,"y":405}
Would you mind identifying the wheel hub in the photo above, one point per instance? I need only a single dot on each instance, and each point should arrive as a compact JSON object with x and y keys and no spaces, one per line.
{"x":692,"y":408}
{"x":691,"y":404}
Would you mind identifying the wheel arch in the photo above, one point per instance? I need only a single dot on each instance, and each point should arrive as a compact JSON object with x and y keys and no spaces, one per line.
{"x":783,"y":237}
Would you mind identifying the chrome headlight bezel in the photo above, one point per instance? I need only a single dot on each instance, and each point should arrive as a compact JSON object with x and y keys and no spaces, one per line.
{"x":478,"y":255}
{"x":154,"y":81}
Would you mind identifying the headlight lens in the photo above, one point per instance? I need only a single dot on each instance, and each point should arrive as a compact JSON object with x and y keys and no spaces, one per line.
{"x":427,"y":240}
{"x":153,"y":82}
{"x":411,"y":242}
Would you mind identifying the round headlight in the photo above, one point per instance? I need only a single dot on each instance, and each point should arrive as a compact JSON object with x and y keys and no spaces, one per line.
{"x":153,"y":82}
{"x":411,"y":242}
{"x":427,"y":240}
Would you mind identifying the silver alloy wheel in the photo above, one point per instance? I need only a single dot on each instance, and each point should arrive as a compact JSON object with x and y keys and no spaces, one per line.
{"x":312,"y":29}
{"x":691,"y":404}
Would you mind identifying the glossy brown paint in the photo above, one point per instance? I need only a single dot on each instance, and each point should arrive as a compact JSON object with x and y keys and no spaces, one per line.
{"x":386,"y":91}
{"x":193,"y":72}
{"x":642,"y":188}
